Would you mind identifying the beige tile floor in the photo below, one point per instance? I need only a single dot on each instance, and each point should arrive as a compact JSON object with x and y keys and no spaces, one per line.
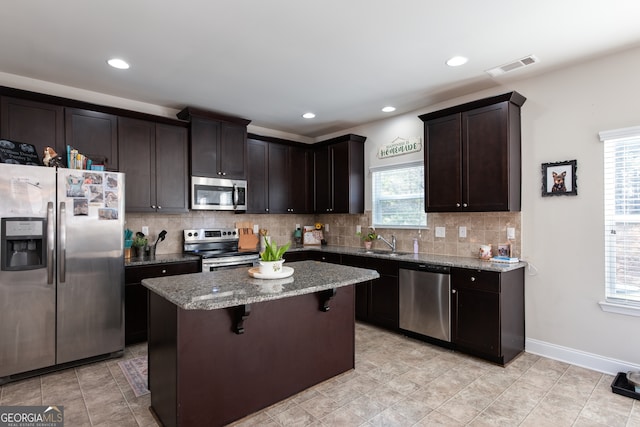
{"x":398,"y":381}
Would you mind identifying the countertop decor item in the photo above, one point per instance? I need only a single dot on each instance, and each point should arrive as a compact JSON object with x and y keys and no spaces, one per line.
{"x":246,"y":238}
{"x":281,"y":274}
{"x":271,"y":257}
{"x":312,"y":236}
{"x":369,"y":236}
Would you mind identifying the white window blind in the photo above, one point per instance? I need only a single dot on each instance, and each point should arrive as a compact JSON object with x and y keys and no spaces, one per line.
{"x":398,"y":196}
{"x":622,"y":215}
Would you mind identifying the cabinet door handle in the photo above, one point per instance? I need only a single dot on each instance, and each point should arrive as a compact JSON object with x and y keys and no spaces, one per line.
{"x":453,"y":291}
{"x":153,"y":206}
{"x":224,"y":173}
{"x":464,"y":205}
{"x":219,"y":173}
{"x":457,"y":205}
{"x":159,"y":207}
{"x":267,"y":210}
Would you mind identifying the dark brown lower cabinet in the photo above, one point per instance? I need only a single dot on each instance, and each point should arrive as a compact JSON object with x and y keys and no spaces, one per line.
{"x":487,"y":307}
{"x":487,"y":313}
{"x":377,"y":300}
{"x":136,"y":296}
{"x":325,"y":257}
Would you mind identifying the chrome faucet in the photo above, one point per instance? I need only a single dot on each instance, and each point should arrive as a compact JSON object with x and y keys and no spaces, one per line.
{"x":392,"y":245}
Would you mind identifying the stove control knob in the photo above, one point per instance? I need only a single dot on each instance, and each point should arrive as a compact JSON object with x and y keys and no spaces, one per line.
{"x":195,"y":234}
{"x":189,"y":234}
{"x":234,"y":233}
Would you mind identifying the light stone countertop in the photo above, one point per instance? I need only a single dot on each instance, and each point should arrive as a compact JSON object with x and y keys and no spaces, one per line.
{"x":420,"y":258}
{"x":160,"y":259}
{"x":233,"y":287}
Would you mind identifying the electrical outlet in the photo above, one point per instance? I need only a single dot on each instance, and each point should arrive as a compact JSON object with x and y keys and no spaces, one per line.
{"x":297,"y":226}
{"x":440,"y":231}
{"x":462,"y":232}
{"x":326,"y":228}
{"x":145,"y":230}
{"x":358,"y":229}
{"x":256,"y":228}
{"x":511,"y":233}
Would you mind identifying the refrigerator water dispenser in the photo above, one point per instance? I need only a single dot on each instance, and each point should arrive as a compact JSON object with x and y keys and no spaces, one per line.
{"x":23,"y":244}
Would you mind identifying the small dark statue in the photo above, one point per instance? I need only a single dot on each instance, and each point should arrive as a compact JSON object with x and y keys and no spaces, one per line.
{"x":51,"y":158}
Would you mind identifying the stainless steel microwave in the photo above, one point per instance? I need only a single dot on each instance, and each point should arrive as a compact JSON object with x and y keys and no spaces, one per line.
{"x":218,"y":194}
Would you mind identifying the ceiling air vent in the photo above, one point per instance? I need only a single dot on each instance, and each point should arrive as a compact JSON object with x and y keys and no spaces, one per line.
{"x":514,"y":65}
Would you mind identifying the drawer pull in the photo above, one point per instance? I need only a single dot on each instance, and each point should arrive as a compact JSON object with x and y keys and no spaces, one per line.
{"x":473,"y":279}
{"x":164,"y":271}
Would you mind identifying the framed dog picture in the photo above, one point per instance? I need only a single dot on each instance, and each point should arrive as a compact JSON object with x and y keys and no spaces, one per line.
{"x":559,"y":179}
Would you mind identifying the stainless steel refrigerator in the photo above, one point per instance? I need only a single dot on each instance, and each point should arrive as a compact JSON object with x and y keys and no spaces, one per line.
{"x":62,"y":269}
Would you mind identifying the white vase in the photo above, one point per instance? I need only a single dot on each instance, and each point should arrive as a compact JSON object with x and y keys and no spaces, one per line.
{"x":271,"y":267}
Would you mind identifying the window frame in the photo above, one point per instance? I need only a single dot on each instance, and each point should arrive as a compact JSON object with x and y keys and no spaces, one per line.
{"x":394,"y":167}
{"x":615,"y":303}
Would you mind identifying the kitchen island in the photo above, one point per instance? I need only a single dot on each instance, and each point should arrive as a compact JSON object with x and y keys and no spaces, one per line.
{"x":223,"y":345}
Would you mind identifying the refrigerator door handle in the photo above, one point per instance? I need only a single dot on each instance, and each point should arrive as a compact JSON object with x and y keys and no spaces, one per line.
{"x":63,"y":241}
{"x":50,"y":243}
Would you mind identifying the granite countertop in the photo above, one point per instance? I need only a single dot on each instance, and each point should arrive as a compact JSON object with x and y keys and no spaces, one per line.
{"x":160,"y":259}
{"x":450,"y":261}
{"x":233,"y":287}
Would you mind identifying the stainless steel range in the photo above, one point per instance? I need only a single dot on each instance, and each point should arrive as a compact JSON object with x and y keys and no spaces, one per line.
{"x":218,"y":248}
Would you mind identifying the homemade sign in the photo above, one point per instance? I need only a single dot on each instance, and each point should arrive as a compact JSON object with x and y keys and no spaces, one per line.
{"x":400,"y":146}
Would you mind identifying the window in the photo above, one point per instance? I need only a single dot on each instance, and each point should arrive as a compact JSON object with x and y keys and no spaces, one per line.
{"x":398,"y":196}
{"x":622,"y":215}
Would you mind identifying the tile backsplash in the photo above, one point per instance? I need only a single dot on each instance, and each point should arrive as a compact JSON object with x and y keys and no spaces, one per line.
{"x":481,"y":228}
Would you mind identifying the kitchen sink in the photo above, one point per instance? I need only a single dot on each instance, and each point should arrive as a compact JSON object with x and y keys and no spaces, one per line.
{"x":388,"y":253}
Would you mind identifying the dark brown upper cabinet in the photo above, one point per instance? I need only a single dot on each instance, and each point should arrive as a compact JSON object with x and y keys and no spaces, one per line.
{"x":32,"y":122}
{"x":93,"y":134}
{"x":339,"y":175}
{"x":218,"y":144}
{"x":154,"y":157}
{"x":472,"y":156}
{"x":280,"y":176}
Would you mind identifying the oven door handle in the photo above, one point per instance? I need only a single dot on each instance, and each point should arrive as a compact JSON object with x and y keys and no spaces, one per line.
{"x":228,"y":263}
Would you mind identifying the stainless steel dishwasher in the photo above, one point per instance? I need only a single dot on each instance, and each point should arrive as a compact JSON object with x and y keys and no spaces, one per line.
{"x":425,"y":300}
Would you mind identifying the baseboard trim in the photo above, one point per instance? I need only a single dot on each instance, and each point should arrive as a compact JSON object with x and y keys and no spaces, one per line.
{"x":591,"y":361}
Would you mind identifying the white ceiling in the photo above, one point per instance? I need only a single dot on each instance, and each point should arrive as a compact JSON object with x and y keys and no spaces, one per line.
{"x":272,"y":60}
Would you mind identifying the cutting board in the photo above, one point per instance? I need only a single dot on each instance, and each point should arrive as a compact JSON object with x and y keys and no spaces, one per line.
{"x":246,"y":239}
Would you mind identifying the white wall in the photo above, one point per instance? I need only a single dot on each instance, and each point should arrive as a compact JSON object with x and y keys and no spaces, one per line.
{"x":562,"y":236}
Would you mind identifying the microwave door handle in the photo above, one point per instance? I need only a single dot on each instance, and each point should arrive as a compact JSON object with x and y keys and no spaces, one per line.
{"x":235,"y":196}
{"x":50,"y":243}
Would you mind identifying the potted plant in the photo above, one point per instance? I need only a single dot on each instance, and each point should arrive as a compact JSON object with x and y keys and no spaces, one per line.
{"x":139,"y":243}
{"x":271,"y":258}
{"x":368,"y":237}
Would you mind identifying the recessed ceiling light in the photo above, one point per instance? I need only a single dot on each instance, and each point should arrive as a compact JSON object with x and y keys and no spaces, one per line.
{"x":456,"y":61}
{"x":120,"y":64}
{"x":308,"y":115}
{"x":388,"y":109}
